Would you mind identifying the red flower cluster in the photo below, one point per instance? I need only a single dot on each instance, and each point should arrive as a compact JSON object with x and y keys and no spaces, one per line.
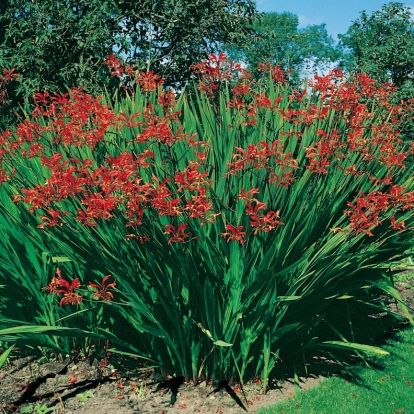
{"x":117,"y":67}
{"x":178,"y":235}
{"x":234,"y":233}
{"x":60,"y":286}
{"x":101,"y":291}
{"x":163,"y":170}
{"x":74,"y":118}
{"x":262,"y":156}
{"x":259,"y":221}
{"x":216,"y":70}
{"x":160,"y":128}
{"x":276,"y":73}
{"x":148,"y":81}
{"x":8,"y":76}
{"x":366,"y":211}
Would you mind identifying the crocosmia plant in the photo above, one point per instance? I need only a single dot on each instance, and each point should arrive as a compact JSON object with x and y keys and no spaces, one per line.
{"x":241,"y":219}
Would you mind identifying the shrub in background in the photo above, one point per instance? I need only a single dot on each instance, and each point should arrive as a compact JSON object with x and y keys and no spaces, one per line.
{"x":238,"y":219}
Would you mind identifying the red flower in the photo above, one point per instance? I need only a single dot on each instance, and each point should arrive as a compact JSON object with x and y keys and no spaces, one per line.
{"x":199,"y":208}
{"x":247,"y":195}
{"x":117,"y":67}
{"x":191,"y":179}
{"x":53,"y":221}
{"x":53,"y":285}
{"x":282,"y":180}
{"x":266,"y":222}
{"x":70,"y":298}
{"x":168,"y":208}
{"x":252,"y":210}
{"x":397,"y":226}
{"x":216,"y":70}
{"x":140,"y":239}
{"x":178,"y":234}
{"x":148,"y":81}
{"x":235,"y":233}
{"x":61,"y":286}
{"x":102,"y":289}
{"x":67,"y":289}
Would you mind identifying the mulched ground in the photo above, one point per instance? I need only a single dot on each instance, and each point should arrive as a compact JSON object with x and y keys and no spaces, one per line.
{"x":80,"y":387}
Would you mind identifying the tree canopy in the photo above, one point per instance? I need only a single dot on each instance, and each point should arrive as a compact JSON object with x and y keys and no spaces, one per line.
{"x":55,"y":44}
{"x":382,"y":45}
{"x":277,"y":39}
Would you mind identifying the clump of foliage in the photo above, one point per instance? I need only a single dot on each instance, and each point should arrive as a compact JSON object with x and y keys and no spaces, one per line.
{"x":239,"y":223}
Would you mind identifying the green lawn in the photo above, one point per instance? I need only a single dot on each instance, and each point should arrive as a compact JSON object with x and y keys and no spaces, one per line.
{"x":385,"y":387}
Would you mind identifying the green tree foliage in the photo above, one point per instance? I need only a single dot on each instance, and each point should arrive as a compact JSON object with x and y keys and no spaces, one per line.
{"x":56,"y":44}
{"x":279,"y":41}
{"x":382,"y":45}
{"x":170,"y":35}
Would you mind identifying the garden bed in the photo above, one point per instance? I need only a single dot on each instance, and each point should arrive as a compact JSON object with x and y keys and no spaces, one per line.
{"x":77,"y":388}
{"x":238,"y":230}
{"x":85,"y":388}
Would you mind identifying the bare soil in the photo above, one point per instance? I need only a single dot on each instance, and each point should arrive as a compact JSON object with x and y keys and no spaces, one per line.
{"x":71,"y":386}
{"x":79,"y":387}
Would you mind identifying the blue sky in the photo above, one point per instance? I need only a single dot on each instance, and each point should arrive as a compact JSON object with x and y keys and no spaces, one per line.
{"x":337,"y":14}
